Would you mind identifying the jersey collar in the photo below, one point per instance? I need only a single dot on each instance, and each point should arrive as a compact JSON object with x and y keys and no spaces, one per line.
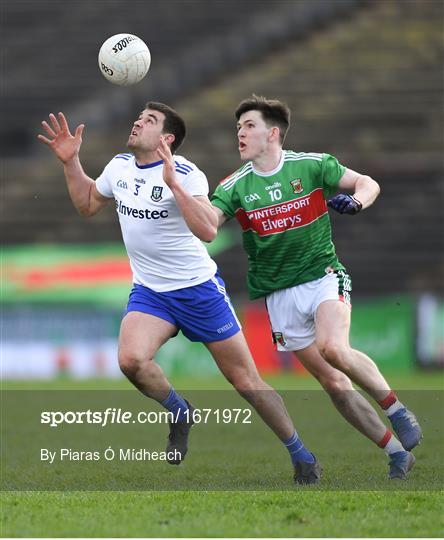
{"x":274,"y":171}
{"x":149,"y":165}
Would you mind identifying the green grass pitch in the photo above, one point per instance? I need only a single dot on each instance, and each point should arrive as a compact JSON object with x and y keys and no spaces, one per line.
{"x":225,"y":493}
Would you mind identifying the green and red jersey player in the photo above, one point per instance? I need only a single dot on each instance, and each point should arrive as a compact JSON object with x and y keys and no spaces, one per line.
{"x":280,"y":200}
{"x":284,"y":218}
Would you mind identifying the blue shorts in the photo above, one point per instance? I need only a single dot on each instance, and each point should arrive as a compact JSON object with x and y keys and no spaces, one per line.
{"x":204,"y":312}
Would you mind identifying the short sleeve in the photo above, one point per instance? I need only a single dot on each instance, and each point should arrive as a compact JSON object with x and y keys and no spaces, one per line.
{"x":222,"y":199}
{"x":104,"y":184}
{"x":196,"y":183}
{"x":331,"y":172}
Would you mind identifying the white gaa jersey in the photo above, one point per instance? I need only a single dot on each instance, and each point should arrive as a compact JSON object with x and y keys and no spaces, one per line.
{"x":163,"y":252}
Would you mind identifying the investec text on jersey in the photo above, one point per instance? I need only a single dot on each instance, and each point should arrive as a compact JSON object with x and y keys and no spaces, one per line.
{"x":140,"y":214}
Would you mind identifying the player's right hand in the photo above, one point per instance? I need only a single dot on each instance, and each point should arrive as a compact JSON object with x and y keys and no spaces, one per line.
{"x":64,"y":145}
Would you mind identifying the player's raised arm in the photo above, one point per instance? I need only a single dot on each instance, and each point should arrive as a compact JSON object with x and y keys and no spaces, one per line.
{"x":82,"y":190}
{"x":365,"y":191}
{"x":197,"y":211}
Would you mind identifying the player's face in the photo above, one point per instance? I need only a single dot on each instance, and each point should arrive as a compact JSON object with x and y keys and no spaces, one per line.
{"x":253,"y":135}
{"x":146,"y":131}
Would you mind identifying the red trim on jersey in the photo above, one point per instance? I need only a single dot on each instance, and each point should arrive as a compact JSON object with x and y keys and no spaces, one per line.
{"x":388,"y":400}
{"x":342,"y":299}
{"x":383,"y":442}
{"x":232,"y":175}
{"x":284,"y":216}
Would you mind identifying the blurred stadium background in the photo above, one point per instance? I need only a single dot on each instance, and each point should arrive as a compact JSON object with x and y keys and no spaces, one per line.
{"x":364,"y":80}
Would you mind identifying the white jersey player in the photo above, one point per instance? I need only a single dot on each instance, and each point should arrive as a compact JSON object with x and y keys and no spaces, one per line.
{"x":163,"y":252}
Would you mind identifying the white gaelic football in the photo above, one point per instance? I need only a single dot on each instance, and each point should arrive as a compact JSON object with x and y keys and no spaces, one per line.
{"x":124,"y":59}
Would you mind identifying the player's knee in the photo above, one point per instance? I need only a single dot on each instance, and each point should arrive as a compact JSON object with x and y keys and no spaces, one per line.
{"x":130,"y":365}
{"x":336,"y":354}
{"x":336,"y":384}
{"x":127,"y":364}
{"x":243,"y":381}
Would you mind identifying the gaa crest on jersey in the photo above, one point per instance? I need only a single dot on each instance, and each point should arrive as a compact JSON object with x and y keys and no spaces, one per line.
{"x":156,"y":193}
{"x":278,"y":337}
{"x":297,"y":185}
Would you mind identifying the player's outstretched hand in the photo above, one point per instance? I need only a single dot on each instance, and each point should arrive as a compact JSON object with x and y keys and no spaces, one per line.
{"x":345,"y":204}
{"x":169,"y":168}
{"x":64,"y":145}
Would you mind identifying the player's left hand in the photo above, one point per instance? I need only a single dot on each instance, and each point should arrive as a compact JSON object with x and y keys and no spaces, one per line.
{"x":345,"y":204}
{"x":169,"y":168}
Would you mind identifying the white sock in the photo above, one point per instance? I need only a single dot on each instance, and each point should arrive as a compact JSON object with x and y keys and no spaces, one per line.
{"x":390,"y":404}
{"x":393,"y":408}
{"x":393,"y":446}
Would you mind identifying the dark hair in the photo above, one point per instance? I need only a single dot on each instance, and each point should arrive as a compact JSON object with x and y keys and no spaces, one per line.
{"x":274,"y":112}
{"x":173,"y":123}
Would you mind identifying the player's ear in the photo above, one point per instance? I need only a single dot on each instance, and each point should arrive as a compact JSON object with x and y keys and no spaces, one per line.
{"x":169,"y":138}
{"x":274,"y":134}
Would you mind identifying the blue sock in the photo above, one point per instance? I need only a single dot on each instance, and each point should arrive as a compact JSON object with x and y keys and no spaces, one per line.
{"x":176,"y":405}
{"x":297,"y":450}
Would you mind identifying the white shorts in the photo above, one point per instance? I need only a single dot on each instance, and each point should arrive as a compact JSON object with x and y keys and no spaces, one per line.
{"x":292,"y":311}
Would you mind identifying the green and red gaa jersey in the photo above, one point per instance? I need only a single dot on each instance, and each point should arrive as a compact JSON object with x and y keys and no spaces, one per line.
{"x":284,"y":219}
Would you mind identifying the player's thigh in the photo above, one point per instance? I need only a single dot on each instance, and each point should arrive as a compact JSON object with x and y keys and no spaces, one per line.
{"x":332,"y":323}
{"x":291,"y":320}
{"x":233,"y":357}
{"x":141,"y":335}
{"x":329,"y":377}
